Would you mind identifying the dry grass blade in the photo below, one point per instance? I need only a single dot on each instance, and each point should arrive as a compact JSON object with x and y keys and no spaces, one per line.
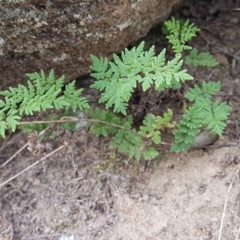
{"x":236,"y":238}
{"x":31,"y":166}
{"x":14,"y":155}
{"x":225,"y":204}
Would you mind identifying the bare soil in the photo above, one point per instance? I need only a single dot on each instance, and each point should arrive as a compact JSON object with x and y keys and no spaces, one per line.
{"x":85,"y":191}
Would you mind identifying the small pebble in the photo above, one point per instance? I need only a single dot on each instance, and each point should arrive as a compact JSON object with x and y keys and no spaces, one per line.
{"x":204,"y":139}
{"x":235,"y":20}
{"x":145,"y":197}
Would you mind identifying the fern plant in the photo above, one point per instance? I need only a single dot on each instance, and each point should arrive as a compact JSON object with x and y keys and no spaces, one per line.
{"x":117,"y":80}
{"x":42,"y":93}
{"x":200,"y":59}
{"x":179,"y":33}
{"x":202,"y":113}
{"x":125,"y":138}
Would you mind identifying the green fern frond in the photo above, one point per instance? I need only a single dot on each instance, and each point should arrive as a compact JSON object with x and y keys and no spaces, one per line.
{"x":206,"y":91}
{"x":41,"y":93}
{"x":200,"y":59}
{"x":149,"y":154}
{"x":128,"y":143}
{"x":180,"y":34}
{"x":72,"y":98}
{"x":204,"y":113}
{"x":188,"y":128}
{"x":215,"y":115}
{"x":3,"y":127}
{"x":105,"y":129}
{"x":124,"y":138}
{"x":149,"y":130}
{"x":136,"y":66}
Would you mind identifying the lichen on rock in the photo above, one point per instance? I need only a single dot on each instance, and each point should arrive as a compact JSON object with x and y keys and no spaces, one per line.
{"x":62,"y":34}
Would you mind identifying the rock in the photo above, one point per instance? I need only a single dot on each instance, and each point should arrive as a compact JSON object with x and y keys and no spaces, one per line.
{"x":204,"y":139}
{"x":62,"y":34}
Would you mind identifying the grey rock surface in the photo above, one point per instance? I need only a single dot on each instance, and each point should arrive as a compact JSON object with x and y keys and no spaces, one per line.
{"x":204,"y":139}
{"x":46,"y":34}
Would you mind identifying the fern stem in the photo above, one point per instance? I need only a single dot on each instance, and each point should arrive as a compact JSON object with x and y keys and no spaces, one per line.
{"x":75,"y":119}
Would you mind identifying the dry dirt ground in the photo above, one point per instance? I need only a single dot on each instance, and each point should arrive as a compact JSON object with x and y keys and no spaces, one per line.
{"x":84,"y":191}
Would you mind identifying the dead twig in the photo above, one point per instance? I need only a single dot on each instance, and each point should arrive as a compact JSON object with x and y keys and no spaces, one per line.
{"x":14,"y":155}
{"x":75,"y":119}
{"x":225,"y":204}
{"x":31,"y":166}
{"x":21,"y":149}
{"x":6,"y":142}
{"x":236,"y":238}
